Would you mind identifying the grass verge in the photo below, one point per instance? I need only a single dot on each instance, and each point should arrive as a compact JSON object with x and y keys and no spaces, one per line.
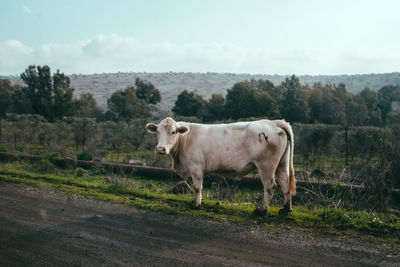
{"x":156,"y":195}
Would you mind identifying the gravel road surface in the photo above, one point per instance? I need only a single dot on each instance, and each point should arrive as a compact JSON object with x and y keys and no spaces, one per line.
{"x":45,"y":228}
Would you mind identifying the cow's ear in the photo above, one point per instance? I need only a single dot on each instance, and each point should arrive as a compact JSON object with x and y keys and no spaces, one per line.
{"x":182,"y":129}
{"x":151,"y":127}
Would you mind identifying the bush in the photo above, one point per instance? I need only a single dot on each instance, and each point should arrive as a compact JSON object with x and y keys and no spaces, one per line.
{"x":43,"y":166}
{"x":97,"y":169}
{"x":38,"y":152}
{"x":53,"y":157}
{"x":84,"y":156}
{"x":79,"y":172}
{"x":3,"y":148}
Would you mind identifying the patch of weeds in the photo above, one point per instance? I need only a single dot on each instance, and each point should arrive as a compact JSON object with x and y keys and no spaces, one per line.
{"x":360,"y":221}
{"x":3,"y":148}
{"x":38,"y":152}
{"x":53,"y":157}
{"x":79,"y":172}
{"x":97,"y":169}
{"x":43,"y":166}
{"x":116,"y":189}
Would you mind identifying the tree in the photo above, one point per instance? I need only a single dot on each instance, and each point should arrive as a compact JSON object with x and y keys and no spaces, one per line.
{"x":214,"y":108}
{"x":371,"y":100}
{"x":356,"y":111}
{"x":294,"y":106}
{"x":39,"y":89}
{"x":341,"y":92}
{"x":240,"y":101}
{"x":86,"y":106}
{"x":50,"y":96}
{"x":268,"y":87}
{"x":20,"y":102}
{"x":252,"y":99}
{"x":393,"y":118}
{"x":125,"y":105}
{"x":265,"y":106}
{"x":5,"y":101}
{"x":188,"y":104}
{"x":387,"y":95}
{"x":62,"y":96}
{"x":325,"y":106}
{"x":268,"y":97}
{"x":5,"y":97}
{"x":147,"y":92}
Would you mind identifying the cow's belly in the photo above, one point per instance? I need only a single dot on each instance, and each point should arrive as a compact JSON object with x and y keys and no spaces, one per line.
{"x":229,"y":163}
{"x":236,"y":171}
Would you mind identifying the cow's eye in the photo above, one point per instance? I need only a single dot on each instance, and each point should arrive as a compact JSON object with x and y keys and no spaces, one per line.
{"x":173,"y":132}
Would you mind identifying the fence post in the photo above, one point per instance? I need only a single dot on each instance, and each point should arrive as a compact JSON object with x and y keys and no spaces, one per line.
{"x":346,"y":130}
{"x":83,"y":134}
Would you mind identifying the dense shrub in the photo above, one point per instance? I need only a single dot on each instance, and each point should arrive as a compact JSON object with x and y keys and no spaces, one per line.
{"x":97,"y":169}
{"x":364,"y":142}
{"x":53,"y":157}
{"x":43,"y":166}
{"x":84,"y":156}
{"x":79,"y":172}
{"x":3,"y":148}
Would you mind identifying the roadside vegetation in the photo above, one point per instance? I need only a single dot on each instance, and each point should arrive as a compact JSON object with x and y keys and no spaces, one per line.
{"x":221,"y":200}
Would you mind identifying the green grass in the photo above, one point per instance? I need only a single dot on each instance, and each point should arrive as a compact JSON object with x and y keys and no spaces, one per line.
{"x":234,"y":206}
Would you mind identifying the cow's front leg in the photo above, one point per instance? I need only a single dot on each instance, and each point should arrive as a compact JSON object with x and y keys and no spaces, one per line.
{"x":197,"y":179}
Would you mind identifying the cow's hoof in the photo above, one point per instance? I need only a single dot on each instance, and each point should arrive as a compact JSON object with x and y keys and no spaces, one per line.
{"x":260,"y":212}
{"x":285,"y":211}
{"x":194,"y":206}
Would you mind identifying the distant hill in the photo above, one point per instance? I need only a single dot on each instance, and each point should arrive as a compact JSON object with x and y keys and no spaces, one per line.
{"x":171,"y":84}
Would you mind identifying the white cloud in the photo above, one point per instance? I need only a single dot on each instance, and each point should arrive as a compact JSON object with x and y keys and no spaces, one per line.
{"x":15,"y":57}
{"x":27,"y":9}
{"x":113,"y":53}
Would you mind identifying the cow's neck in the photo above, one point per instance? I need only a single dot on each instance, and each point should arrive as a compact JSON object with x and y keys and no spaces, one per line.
{"x":175,"y":151}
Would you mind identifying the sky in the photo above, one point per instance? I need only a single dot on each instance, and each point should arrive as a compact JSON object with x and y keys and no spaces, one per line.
{"x":308,"y":37}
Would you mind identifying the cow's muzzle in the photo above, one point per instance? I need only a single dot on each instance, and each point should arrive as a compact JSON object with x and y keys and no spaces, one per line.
{"x":161,"y":150}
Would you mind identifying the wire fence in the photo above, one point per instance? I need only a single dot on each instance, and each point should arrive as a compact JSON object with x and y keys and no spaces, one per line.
{"x":325,"y":152}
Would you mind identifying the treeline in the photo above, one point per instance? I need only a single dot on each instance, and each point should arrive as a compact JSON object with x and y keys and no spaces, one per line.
{"x":51,"y":96}
{"x":320,"y":103}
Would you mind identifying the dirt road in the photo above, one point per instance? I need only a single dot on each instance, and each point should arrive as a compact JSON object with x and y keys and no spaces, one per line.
{"x":42,"y":228}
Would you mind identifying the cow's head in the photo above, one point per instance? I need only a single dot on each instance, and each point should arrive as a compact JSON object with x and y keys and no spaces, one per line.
{"x":168,"y":132}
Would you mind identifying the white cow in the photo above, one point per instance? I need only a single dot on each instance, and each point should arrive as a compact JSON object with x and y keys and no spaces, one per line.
{"x":231,"y":149}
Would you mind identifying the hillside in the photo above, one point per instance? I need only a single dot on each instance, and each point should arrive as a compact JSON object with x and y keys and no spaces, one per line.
{"x":205,"y":84}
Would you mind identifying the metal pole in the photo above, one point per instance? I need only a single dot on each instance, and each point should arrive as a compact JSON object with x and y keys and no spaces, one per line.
{"x":347,"y":144}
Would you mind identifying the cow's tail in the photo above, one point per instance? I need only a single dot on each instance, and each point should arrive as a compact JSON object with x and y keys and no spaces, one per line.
{"x":289,"y":132}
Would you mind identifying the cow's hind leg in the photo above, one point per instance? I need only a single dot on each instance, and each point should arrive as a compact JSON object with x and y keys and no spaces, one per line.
{"x":266,"y":172}
{"x":197,"y":179}
{"x":282,"y":174}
